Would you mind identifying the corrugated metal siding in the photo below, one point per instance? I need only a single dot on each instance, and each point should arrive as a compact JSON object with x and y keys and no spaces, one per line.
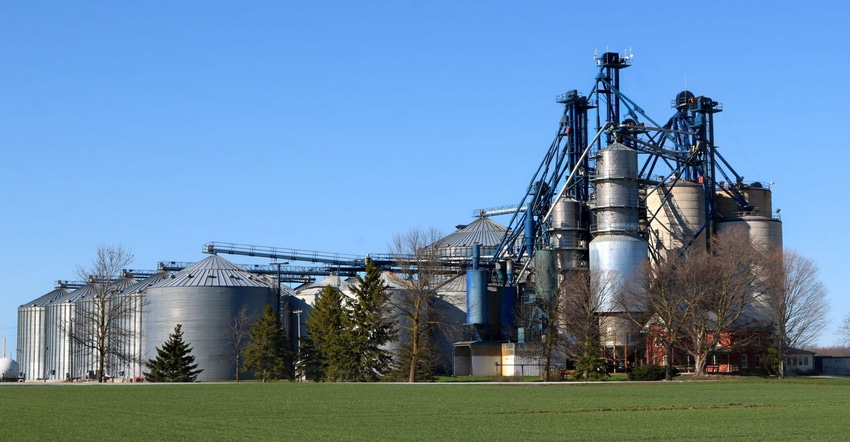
{"x":204,"y":298}
{"x":31,"y":333}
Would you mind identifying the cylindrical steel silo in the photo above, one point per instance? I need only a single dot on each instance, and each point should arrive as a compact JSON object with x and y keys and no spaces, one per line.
{"x":98,"y":310}
{"x":130,"y":325}
{"x":60,"y":349}
{"x":679,"y":212}
{"x":616,"y":253}
{"x":615,"y":259}
{"x":32,"y":333}
{"x":476,"y":297}
{"x":204,"y":298}
{"x":568,"y":233}
{"x":616,"y":190}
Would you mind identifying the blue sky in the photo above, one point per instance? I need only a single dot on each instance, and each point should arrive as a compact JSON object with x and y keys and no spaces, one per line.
{"x":330,"y":126}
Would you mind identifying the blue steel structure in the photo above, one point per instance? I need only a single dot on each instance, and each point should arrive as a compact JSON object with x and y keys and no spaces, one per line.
{"x":681,"y":150}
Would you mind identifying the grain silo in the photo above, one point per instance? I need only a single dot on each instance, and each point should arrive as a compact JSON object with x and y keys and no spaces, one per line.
{"x":677,"y":215}
{"x":98,"y":309}
{"x":129,"y":326}
{"x":32,"y":331}
{"x":204,"y":298}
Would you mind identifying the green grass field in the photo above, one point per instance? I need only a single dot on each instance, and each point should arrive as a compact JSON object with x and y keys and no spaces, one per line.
{"x":738,"y":409}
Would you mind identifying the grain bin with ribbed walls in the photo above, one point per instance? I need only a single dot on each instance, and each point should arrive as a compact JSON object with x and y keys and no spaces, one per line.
{"x":204,"y":298}
{"x":96,"y":316}
{"x":129,"y":345}
{"x":59,"y":346}
{"x":31,"y":333}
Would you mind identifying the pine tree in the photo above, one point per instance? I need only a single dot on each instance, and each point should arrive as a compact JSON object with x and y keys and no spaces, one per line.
{"x":267,"y":353}
{"x":329,"y":327}
{"x":174,"y":361}
{"x":371,"y":326}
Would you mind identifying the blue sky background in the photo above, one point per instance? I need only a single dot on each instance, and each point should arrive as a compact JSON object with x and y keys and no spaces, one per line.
{"x":330,"y":125}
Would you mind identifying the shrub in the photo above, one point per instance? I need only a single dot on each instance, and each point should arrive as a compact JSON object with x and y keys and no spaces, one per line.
{"x":650,"y":373}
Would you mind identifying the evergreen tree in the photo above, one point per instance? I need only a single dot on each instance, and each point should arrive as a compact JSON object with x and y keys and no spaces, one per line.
{"x":174,"y":361}
{"x":329,"y":327}
{"x":267,"y":353}
{"x":590,"y":365}
{"x":371,"y":325}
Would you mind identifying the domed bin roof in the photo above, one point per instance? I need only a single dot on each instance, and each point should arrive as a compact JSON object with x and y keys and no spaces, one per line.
{"x":142,"y":285}
{"x":213,"y":272}
{"x":483,"y":231}
{"x":46,"y":299}
{"x":90,"y":289}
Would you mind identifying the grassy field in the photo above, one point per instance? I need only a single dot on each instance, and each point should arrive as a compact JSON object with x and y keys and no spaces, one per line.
{"x":740,"y":409}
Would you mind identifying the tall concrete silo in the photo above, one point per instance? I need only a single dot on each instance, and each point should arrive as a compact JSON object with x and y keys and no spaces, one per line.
{"x":677,"y":213}
{"x":32,"y":333}
{"x":204,"y":298}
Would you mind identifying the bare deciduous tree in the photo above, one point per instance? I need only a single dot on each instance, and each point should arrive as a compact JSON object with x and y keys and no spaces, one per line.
{"x":658,"y":302}
{"x":795,"y":298}
{"x":723,"y":283}
{"x":237,"y":335}
{"x":415,"y":306}
{"x":100,"y":323}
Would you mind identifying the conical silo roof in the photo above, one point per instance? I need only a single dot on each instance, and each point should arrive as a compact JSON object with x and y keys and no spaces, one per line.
{"x":89,"y":290}
{"x":46,"y":299}
{"x":483,"y":231}
{"x":314,"y":288}
{"x":213,"y":271}
{"x":142,"y":285}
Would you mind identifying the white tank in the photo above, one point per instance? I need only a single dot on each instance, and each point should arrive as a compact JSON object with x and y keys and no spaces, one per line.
{"x":618,"y":259}
{"x":8,"y":368}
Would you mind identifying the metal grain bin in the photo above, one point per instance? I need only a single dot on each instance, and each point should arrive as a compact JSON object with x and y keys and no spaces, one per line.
{"x":32,"y":333}
{"x":204,"y":298}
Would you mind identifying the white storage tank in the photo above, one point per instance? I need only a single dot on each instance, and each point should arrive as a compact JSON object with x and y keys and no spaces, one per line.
{"x":617,"y":259}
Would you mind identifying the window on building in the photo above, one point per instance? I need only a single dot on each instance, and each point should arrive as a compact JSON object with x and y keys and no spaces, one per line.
{"x":805,"y":360}
{"x":758,"y":361}
{"x":744,"y":364}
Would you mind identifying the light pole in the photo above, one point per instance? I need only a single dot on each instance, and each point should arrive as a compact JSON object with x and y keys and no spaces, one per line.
{"x":298,"y":332}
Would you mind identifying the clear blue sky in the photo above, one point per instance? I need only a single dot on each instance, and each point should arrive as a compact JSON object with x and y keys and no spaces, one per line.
{"x":331,"y":125}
